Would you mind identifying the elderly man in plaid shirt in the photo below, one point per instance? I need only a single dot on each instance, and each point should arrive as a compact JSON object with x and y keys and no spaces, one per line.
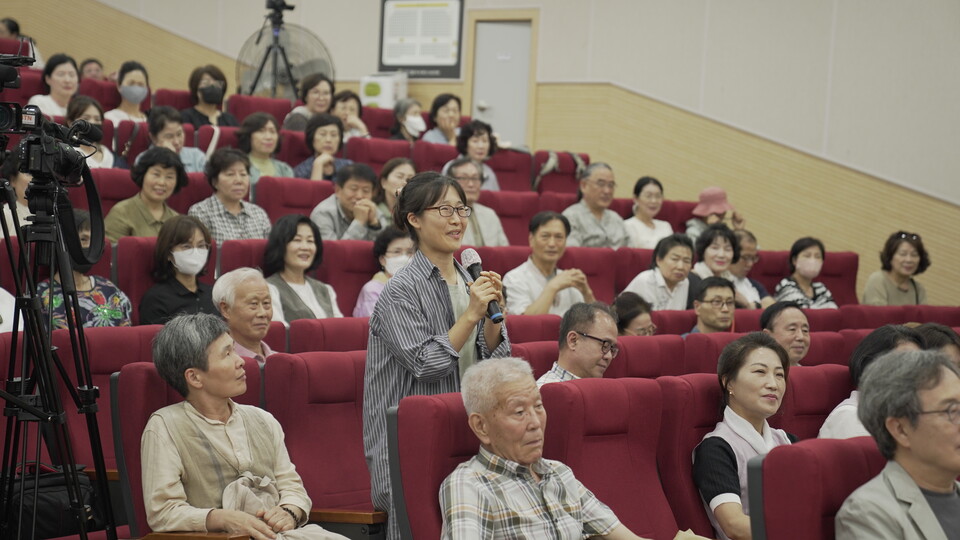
{"x":508,"y":490}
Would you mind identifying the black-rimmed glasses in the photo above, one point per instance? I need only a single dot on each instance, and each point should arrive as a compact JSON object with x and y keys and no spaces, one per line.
{"x":446,"y":210}
{"x":952,"y":412}
{"x":605,"y":346}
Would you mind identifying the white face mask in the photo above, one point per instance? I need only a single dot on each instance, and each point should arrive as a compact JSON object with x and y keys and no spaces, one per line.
{"x":809,"y":268}
{"x":190,"y":261}
{"x":415,"y":125}
{"x":392,"y":265}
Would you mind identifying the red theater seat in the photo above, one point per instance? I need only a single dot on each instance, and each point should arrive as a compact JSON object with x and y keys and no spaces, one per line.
{"x":677,"y":213}
{"x":561,"y":180}
{"x":323,"y":390}
{"x":623,"y":207}
{"x":136,"y":392}
{"x":499,"y":259}
{"x":7,"y":279}
{"x":294,"y":149}
{"x":242,"y":106}
{"x":630,"y":262}
{"x":515,"y":210}
{"x":648,"y":357}
{"x":821,"y":472}
{"x":31,"y":84}
{"x":106,"y":93}
{"x":378,"y":121}
{"x":347,"y":266}
{"x":135,"y":265}
{"x":606,"y":431}
{"x":824,"y":320}
{"x":839,"y":273}
{"x":281,"y":196}
{"x":812,"y":393}
{"x":429,"y":436}
{"x":701,"y":351}
{"x":599,"y":264}
{"x":432,"y":157}
{"x":513,"y":169}
{"x":277,"y":337}
{"x":747,"y":320}
{"x":113,"y":186}
{"x":674,"y":322}
{"x":227,"y":138}
{"x":241,"y":253}
{"x":196,"y":190}
{"x":178,"y":99}
{"x":376,"y":152}
{"x":851,"y":338}
{"x":140,"y":141}
{"x":825,"y":348}
{"x":337,"y":335}
{"x":857,"y":316}
{"x":556,"y":202}
{"x":539,"y":354}
{"x":525,"y":328}
{"x":691,"y":409}
{"x":946,"y":315}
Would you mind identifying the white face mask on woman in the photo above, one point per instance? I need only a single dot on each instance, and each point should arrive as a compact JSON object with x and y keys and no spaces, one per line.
{"x":190,"y":261}
{"x":393,"y":264}
{"x":809,"y":268}
{"x":415,"y":125}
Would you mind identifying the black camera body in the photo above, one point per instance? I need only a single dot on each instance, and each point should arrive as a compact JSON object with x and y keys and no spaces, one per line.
{"x":279,"y":5}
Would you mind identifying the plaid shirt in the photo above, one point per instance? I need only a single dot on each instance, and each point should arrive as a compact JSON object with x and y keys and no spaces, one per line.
{"x":492,"y":498}
{"x":251,"y":222}
{"x":556,"y":374}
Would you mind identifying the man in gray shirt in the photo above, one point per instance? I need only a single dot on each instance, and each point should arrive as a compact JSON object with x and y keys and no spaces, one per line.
{"x":350,"y":214}
{"x":592,"y":222}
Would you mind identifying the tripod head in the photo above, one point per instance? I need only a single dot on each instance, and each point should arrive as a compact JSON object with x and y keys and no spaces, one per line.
{"x":277,"y":8}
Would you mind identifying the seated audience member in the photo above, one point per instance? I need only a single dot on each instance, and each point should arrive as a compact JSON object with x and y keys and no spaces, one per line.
{"x":207,"y":444}
{"x":633,"y":315}
{"x":714,"y":305}
{"x":181,"y":254}
{"x":938,"y":337}
{"x":753,"y":378}
{"x":393,"y":176}
{"x":350,"y":214}
{"x":787,"y":323}
{"x":10,"y":171}
{"x":244,"y":300}
{"x":408,"y":125}
{"x":166,"y":130}
{"x":91,"y":68}
{"x":806,"y":261}
{"x":99,"y":156}
{"x":10,"y":29}
{"x":393,"y":249}
{"x":134,"y":87}
{"x":159,"y":174}
{"x":476,"y":141}
{"x":910,"y":405}
{"x":324,"y":137}
{"x":537,"y":286}
{"x":843,"y":423}
{"x":508,"y":490}
{"x":259,"y":137}
{"x":225,"y":213}
{"x":61,"y":81}
{"x":101,"y":302}
{"x":347,"y":107}
{"x":668,"y":284}
{"x":484,"y":227}
{"x":293,"y":250}
{"x":717,"y":249}
{"x":445,"y":115}
{"x":903,"y":257}
{"x":208,"y":86}
{"x":316,"y":93}
{"x":643,"y":230}
{"x":8,"y":304}
{"x":712,"y":208}
{"x":588,"y":343}
{"x":592,"y":222}
{"x":755,"y":295}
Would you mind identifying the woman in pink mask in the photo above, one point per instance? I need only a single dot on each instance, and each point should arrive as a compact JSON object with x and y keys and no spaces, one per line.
{"x":806,"y":261}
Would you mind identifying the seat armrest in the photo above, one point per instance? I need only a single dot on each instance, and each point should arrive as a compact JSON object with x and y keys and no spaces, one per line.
{"x":195,"y":536}
{"x":334,"y":515}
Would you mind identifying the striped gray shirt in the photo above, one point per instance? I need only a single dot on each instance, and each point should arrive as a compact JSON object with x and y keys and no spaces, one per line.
{"x":409,"y":353}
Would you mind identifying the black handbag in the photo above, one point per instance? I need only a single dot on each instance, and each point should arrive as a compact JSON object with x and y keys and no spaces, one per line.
{"x":54,"y":518}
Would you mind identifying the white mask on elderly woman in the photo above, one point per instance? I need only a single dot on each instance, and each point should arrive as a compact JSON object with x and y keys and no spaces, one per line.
{"x":809,"y":268}
{"x":393,"y":264}
{"x":415,"y":125}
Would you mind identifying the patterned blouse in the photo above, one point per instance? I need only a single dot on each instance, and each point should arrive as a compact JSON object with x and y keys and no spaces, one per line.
{"x":103,"y":305}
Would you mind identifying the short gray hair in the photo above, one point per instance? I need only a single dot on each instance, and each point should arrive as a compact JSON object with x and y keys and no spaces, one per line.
{"x":461,"y":161}
{"x":588,"y":170}
{"x":890,"y":388}
{"x":182,"y":344}
{"x":481,"y":381}
{"x":225,"y":289}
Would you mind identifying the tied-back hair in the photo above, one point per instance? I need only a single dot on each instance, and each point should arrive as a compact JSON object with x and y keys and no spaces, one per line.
{"x":629,"y":306}
{"x":182,"y":344}
{"x":420,"y":193}
{"x":482,"y":380}
{"x":78,"y":105}
{"x":734,"y":356}
{"x":643,"y":182}
{"x":53,"y":63}
{"x":379,"y":195}
{"x":175,"y":231}
{"x":282,"y":233}
{"x":131,"y":65}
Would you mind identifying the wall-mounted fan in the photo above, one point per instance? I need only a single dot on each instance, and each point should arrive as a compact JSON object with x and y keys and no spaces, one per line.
{"x":273,"y":60}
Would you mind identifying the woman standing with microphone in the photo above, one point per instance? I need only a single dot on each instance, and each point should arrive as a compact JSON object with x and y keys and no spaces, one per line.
{"x":429,"y":324}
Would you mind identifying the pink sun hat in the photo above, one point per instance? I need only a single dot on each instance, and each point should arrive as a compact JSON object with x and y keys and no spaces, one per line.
{"x":713,"y":200}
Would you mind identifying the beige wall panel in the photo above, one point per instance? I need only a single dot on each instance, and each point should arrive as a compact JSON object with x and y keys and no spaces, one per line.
{"x":896,"y":81}
{"x":767,"y":66}
{"x":651,"y":46}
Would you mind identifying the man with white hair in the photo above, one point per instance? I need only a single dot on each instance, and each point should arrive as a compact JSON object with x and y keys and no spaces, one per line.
{"x":910,"y":404}
{"x":508,"y":490}
{"x":592,"y":222}
{"x":243,"y":298}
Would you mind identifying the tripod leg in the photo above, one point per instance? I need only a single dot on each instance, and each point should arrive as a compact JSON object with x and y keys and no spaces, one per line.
{"x":263,"y":63}
{"x":286,"y":65}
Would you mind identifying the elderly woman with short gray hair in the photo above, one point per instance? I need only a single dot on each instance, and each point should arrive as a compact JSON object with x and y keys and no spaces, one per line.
{"x":196,"y":449}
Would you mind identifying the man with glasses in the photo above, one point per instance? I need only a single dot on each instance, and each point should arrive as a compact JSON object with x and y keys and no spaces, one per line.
{"x":350,"y":214}
{"x":484,"y":227}
{"x":593,"y":223}
{"x":588,"y":343}
{"x":750,"y":289}
{"x":714,"y":306}
{"x":910,"y":404}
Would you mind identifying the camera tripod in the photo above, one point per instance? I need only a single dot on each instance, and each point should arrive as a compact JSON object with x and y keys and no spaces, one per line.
{"x":275,"y":52}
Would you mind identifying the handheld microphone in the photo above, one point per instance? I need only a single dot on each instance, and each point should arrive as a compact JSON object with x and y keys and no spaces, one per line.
{"x":471,"y":260}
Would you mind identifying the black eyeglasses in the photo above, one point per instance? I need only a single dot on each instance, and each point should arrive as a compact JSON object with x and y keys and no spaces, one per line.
{"x":447,"y":211}
{"x":952,"y":412}
{"x":605,"y":346}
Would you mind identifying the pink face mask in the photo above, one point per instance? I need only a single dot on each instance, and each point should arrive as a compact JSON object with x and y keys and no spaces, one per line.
{"x":809,"y":268}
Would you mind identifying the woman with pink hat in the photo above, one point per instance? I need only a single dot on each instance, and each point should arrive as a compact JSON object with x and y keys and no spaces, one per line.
{"x":712,"y":208}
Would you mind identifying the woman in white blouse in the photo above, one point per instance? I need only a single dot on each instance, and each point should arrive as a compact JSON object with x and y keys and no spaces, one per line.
{"x":294,"y":249}
{"x":643,"y":230}
{"x":61,"y":79}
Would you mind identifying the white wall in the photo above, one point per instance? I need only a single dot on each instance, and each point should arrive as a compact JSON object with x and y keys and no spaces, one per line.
{"x":871,"y":84}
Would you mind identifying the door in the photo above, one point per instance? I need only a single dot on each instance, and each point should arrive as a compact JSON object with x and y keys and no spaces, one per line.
{"x":501,"y":77}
